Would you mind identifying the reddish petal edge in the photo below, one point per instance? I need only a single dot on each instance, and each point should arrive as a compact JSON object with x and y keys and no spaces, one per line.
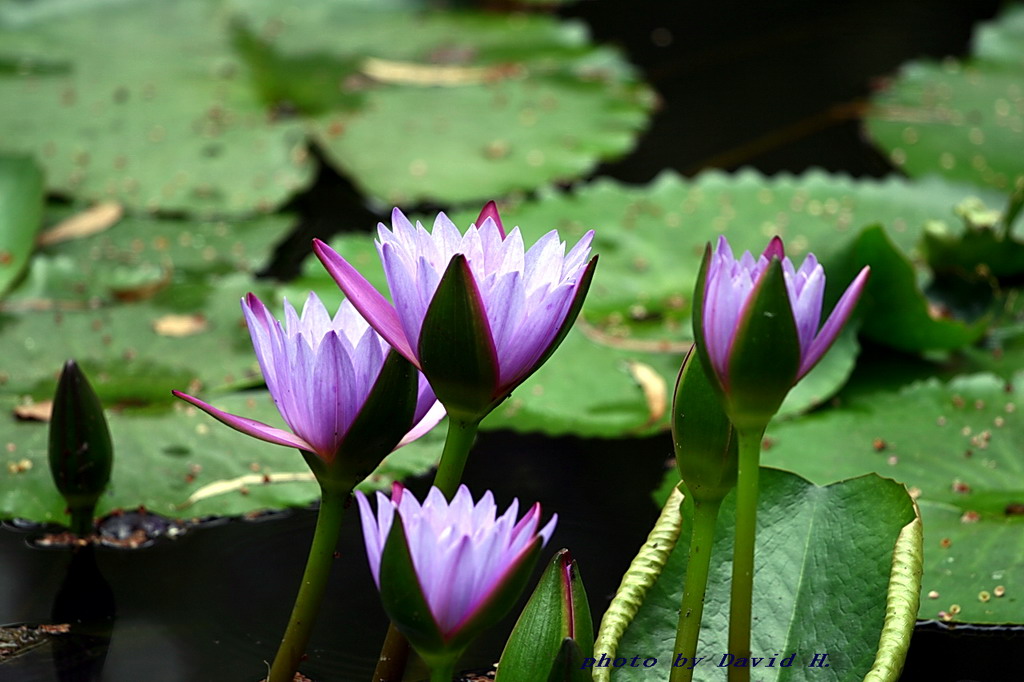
{"x":490,"y":210}
{"x":431,"y":419}
{"x":381,"y":315}
{"x":250,"y":427}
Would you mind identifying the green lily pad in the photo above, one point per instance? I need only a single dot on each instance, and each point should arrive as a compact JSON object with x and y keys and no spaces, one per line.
{"x":183,"y":464}
{"x":959,"y":119}
{"x":167,"y":123}
{"x":465,"y":106}
{"x":141,"y":258}
{"x":957,"y":446}
{"x":21,"y":210}
{"x":143,"y":349}
{"x":213,"y":112}
{"x":614,"y":374}
{"x":825,"y":570}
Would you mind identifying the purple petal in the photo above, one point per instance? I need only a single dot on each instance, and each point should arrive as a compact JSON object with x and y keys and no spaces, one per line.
{"x":431,"y":419}
{"x":375,"y":308}
{"x":250,"y":427}
{"x":490,"y":210}
{"x":834,"y":324}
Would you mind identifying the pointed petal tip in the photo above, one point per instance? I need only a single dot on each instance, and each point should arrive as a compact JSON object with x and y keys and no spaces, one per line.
{"x":775,"y":249}
{"x":490,"y":210}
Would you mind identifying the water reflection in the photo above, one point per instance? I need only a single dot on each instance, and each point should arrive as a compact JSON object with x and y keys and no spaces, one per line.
{"x":86,"y":603}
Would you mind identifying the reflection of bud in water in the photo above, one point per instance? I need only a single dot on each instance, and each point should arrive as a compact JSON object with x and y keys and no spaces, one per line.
{"x":81,"y":453}
{"x":86,"y":603}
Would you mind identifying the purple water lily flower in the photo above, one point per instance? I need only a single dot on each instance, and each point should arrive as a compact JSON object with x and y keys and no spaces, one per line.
{"x":728,"y":294}
{"x":326,"y":376}
{"x":468,"y":564}
{"x":756,"y":325}
{"x":476,"y":312}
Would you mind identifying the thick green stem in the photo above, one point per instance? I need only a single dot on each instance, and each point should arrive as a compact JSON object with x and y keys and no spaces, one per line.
{"x":82,"y":523}
{"x":460,"y":439}
{"x":314,"y":581}
{"x":705,"y":514}
{"x":443,"y":673}
{"x":393,"y":657}
{"x":395,"y":651}
{"x":741,"y":598}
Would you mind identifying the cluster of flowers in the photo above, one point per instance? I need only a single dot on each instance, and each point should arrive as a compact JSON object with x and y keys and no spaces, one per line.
{"x":473,"y":315}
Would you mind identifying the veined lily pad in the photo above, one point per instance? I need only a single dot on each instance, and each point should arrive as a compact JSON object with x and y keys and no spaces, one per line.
{"x":21,"y":209}
{"x":957,"y":446}
{"x":829,"y":561}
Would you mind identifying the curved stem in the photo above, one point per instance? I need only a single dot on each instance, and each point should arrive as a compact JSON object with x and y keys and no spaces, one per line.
{"x":705,"y":514}
{"x":314,"y":581}
{"x":741,"y":598}
{"x":395,"y":651}
{"x":457,"y":445}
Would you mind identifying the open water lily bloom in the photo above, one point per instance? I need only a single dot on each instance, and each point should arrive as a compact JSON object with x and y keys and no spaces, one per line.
{"x":762,"y":333}
{"x":336,"y":385}
{"x":466,"y":563}
{"x":476,"y":312}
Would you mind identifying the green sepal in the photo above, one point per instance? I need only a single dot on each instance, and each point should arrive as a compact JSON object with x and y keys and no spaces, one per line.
{"x":81,"y":453}
{"x":704,"y":438}
{"x":456,"y":350}
{"x":384,"y":419}
{"x":765,"y":355}
{"x":568,"y":665}
{"x":402,"y":595}
{"x":558,"y":611}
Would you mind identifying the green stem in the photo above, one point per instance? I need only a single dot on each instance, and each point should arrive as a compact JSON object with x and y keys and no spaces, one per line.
{"x":82,"y":521}
{"x":741,"y":598}
{"x":456,"y":451}
{"x":314,"y":581}
{"x":395,"y":651}
{"x":443,"y":673}
{"x":705,"y":514}
{"x":393,"y":657}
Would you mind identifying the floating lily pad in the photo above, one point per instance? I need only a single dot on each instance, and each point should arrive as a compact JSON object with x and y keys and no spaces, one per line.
{"x":21,"y":211}
{"x":143,"y":259}
{"x":183,"y":464}
{"x":213,"y":111}
{"x":143,"y":349}
{"x":169,"y":122}
{"x":464,"y":106}
{"x":812,"y":541}
{"x":957,"y":446}
{"x":960,"y":119}
{"x":615,"y":374}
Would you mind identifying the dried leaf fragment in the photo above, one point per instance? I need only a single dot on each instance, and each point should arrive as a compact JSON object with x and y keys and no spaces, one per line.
{"x":180,"y":325}
{"x":89,"y":222}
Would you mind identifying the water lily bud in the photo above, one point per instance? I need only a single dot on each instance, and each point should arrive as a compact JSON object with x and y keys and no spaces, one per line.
{"x":554,"y":632}
{"x":704,"y":438}
{"x":476,"y":312}
{"x":446,"y":571}
{"x":756,"y":326}
{"x":80,"y":450}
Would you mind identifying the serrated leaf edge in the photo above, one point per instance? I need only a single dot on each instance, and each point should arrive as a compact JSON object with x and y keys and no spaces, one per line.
{"x":643,"y":572}
{"x":902,"y":603}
